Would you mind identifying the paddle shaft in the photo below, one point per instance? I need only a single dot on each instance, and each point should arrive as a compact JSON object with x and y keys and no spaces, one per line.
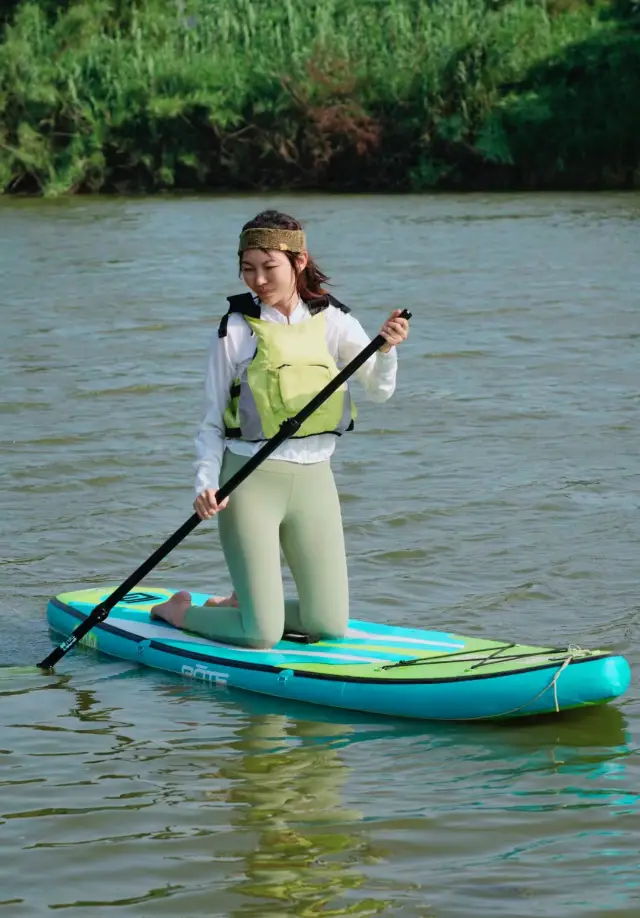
{"x":287,"y":429}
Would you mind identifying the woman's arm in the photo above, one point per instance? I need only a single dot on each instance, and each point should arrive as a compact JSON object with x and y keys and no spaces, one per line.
{"x":221,"y":370}
{"x":378,"y":374}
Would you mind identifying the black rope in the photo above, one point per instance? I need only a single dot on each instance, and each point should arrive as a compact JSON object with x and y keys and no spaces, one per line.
{"x":478,"y":661}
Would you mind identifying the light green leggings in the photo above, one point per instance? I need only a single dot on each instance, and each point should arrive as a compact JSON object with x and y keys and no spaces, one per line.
{"x":280,"y":505}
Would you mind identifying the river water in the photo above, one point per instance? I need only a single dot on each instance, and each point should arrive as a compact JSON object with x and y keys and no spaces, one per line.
{"x":496,"y":494}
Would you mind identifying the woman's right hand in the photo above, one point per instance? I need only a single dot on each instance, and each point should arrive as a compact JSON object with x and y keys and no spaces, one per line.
{"x":206,"y":505}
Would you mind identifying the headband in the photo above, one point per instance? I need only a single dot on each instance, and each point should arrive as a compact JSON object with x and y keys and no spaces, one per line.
{"x":284,"y":240}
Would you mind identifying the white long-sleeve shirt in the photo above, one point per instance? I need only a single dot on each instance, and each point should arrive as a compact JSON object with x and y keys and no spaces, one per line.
{"x":229,"y":356}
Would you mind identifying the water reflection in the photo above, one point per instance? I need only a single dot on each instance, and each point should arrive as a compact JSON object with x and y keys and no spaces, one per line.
{"x":173,"y":792}
{"x":292,"y":782}
{"x":307,"y":843}
{"x":285,"y":780}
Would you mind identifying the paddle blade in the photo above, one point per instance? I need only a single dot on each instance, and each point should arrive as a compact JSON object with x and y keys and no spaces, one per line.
{"x":7,"y":670}
{"x":16,"y":680}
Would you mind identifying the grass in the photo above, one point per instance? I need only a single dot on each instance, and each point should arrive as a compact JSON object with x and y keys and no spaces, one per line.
{"x":343,"y":94}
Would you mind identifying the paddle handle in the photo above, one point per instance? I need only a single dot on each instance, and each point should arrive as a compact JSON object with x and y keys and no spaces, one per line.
{"x":287,"y":429}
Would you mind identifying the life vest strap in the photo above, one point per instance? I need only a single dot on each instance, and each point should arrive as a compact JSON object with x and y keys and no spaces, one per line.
{"x":235,"y":433}
{"x":245,"y":304}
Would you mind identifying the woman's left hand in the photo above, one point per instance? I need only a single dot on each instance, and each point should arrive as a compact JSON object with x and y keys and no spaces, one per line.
{"x":394,"y":331}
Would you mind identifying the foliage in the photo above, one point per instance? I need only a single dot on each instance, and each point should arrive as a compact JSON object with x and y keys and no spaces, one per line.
{"x":108,"y":95}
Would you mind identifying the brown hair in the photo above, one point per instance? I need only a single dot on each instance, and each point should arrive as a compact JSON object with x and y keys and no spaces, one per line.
{"x":309,"y":281}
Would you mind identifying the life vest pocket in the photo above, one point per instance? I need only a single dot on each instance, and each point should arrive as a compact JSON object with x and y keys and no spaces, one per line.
{"x":299,"y":384}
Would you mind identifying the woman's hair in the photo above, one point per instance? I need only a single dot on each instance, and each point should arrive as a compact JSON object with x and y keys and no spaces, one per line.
{"x":309,"y":281}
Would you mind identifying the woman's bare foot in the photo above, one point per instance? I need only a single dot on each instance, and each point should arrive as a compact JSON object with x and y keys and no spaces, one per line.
{"x":226,"y":601}
{"x":174,"y":609}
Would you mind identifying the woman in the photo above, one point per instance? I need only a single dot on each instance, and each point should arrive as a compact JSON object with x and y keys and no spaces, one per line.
{"x":273,"y":352}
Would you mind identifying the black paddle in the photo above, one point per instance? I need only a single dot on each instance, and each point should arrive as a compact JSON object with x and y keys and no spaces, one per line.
{"x":287,"y":429}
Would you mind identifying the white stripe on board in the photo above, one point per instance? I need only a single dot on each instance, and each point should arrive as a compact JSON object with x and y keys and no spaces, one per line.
{"x":169,"y":634}
{"x":165,"y":632}
{"x":375,"y":638}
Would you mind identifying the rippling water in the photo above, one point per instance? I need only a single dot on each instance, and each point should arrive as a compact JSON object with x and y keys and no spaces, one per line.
{"x":497,"y":494}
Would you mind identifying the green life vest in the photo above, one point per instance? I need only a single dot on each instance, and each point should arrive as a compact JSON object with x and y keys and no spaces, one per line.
{"x":291,"y":365}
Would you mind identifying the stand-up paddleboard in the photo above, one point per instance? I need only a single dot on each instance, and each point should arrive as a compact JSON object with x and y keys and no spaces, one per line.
{"x":381,"y":669}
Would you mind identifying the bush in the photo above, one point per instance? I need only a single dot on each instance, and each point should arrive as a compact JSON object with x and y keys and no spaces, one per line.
{"x":336,"y":94}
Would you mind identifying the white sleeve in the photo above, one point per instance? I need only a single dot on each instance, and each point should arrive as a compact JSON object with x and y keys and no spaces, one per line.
{"x":209,"y":442}
{"x":378,"y":373}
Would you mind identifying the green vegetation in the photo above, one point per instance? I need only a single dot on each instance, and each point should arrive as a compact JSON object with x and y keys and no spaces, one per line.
{"x":333,"y":94}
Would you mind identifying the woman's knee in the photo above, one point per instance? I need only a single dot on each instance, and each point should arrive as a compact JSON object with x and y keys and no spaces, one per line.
{"x":265,"y":636}
{"x":335,"y":629}
{"x":333,"y":634}
{"x":329,"y":622}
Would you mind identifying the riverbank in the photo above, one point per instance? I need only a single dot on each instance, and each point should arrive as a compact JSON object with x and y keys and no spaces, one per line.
{"x":344,"y":95}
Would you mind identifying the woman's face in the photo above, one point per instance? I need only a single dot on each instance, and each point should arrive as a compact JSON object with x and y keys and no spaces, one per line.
{"x":270,"y":275}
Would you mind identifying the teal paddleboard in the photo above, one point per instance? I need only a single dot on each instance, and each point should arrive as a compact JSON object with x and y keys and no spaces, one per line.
{"x":380,"y":669}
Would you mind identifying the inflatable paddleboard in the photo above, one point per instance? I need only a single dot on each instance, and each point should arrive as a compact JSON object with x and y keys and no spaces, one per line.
{"x":379,"y":669}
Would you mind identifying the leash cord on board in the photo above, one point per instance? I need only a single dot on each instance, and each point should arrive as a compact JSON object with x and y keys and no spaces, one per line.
{"x":571,"y":652}
{"x":460,"y":657}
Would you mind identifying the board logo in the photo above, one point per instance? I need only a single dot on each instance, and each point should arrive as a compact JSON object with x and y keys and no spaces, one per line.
{"x":132,"y":598}
{"x":206,"y":675}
